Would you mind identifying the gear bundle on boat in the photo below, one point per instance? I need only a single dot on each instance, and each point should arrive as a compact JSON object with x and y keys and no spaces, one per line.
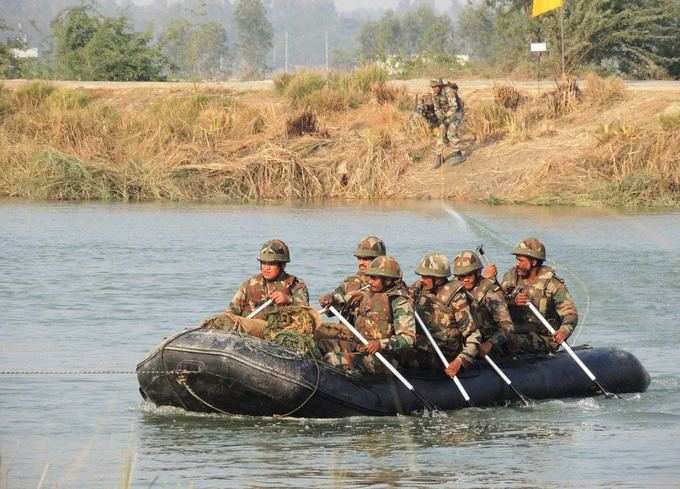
{"x":270,"y":353}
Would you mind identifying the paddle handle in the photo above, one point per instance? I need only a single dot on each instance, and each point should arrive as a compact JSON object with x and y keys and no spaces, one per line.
{"x":441,"y":356}
{"x":260,"y":309}
{"x":500,"y":373}
{"x":378,"y":355}
{"x":573,"y":355}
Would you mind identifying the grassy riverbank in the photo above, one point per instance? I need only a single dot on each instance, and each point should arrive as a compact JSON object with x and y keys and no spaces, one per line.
{"x":343,"y":137}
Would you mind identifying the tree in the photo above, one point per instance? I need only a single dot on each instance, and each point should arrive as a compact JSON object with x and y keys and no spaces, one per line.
{"x":254,"y":36}
{"x":633,"y":37}
{"x":195,"y":50}
{"x":91,"y":46}
{"x":10,"y":67}
{"x":413,"y":32}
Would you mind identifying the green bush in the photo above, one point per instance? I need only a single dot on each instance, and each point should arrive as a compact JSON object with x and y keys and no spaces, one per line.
{"x":302,"y":84}
{"x":362,"y":79}
{"x":281,"y":81}
{"x":33,"y":94}
{"x":70,"y":99}
{"x":670,"y":118}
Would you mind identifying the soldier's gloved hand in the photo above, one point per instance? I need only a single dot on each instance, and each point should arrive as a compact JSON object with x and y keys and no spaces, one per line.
{"x":485,"y":348}
{"x":490,"y":271}
{"x":454,"y":367}
{"x":559,"y":336}
{"x":281,"y":298}
{"x":354,"y":298}
{"x":326,"y":300}
{"x":373,"y":347}
{"x":521,"y":299}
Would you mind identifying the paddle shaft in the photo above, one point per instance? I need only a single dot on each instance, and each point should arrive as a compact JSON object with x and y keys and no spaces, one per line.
{"x":461,"y":389}
{"x":260,"y":309}
{"x":571,"y":353}
{"x":506,"y":379}
{"x":382,"y":359}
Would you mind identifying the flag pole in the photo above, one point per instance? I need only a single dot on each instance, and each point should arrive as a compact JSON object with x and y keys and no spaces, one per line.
{"x":562,"y":38}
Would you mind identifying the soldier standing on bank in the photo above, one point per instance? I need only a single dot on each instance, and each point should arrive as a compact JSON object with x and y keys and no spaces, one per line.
{"x":384,"y":316}
{"x":449,"y":110}
{"x":488,"y":304}
{"x":532,"y":281}
{"x":445,"y":309}
{"x":271,"y":283}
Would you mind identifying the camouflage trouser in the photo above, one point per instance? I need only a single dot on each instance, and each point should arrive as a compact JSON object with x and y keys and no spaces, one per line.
{"x":423,"y":358}
{"x":448,"y":134}
{"x":343,"y":354}
{"x":532,"y":343}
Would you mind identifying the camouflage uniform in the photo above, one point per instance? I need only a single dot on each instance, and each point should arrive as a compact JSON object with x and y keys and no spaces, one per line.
{"x":256,"y":290}
{"x":369,"y":247}
{"x":550,"y":296}
{"x":386,"y":317}
{"x":448,"y":108}
{"x":446,"y":313}
{"x":492,"y":315}
{"x":487,"y":303}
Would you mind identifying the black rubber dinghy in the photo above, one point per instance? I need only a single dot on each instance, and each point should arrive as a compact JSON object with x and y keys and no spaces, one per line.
{"x":215,"y":371}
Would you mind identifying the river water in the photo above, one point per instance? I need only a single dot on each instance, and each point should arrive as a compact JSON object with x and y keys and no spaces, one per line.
{"x":96,"y":286}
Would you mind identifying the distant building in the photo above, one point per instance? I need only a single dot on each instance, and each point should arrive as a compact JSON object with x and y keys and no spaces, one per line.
{"x":24,"y":53}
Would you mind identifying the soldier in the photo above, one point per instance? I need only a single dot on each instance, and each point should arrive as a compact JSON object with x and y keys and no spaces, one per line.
{"x":367,"y":250}
{"x":384,"y":317}
{"x":449,"y":110}
{"x":444,"y":308}
{"x":531,"y":280}
{"x":488,"y":304}
{"x":271,"y":283}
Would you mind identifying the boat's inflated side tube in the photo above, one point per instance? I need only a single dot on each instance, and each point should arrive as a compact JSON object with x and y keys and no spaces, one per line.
{"x":215,"y":371}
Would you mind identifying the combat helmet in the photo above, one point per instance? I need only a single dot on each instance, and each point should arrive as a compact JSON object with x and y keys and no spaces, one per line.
{"x":466,"y":262}
{"x":384,"y":266}
{"x":370,"y":247}
{"x":275,"y":251}
{"x":436,"y":82}
{"x":530,"y":247}
{"x":434,"y":265}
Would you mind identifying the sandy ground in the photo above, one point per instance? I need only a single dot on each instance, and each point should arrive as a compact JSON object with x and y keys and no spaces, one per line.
{"x":412,"y":86}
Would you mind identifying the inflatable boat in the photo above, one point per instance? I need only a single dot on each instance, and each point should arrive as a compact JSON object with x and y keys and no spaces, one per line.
{"x":213,"y":371}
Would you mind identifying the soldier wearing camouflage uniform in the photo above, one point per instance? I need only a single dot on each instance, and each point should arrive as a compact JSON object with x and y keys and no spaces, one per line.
{"x":445,"y":309}
{"x":531,"y":280}
{"x":449,"y":110}
{"x":384,"y":317}
{"x":367,"y":250}
{"x":271,"y":283}
{"x":488,"y":304}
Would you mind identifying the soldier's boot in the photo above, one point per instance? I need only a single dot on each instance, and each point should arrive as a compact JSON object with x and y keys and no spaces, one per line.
{"x":457,"y":157}
{"x":438,"y":160}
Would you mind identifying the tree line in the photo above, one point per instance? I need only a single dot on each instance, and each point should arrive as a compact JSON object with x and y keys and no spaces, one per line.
{"x":198,"y":39}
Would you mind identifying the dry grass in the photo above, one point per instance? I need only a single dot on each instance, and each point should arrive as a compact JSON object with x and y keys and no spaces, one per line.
{"x":196,"y":144}
{"x":352,"y":138}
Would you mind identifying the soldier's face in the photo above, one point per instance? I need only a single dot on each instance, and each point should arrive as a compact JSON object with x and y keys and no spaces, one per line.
{"x":524,"y":265}
{"x":469,"y":280}
{"x":270,"y":270}
{"x":377,"y":283}
{"x":428,"y":282}
{"x":363,"y":264}
{"x":436,"y":90}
